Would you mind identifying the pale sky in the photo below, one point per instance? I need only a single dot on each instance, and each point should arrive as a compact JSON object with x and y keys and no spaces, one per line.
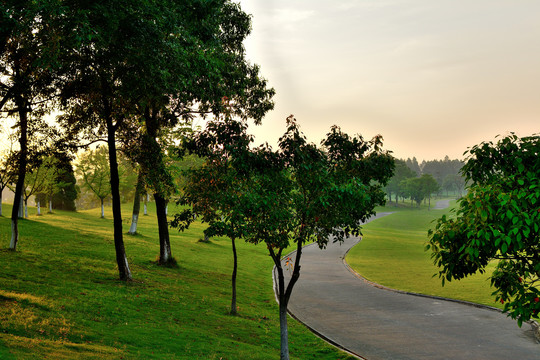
{"x":432,"y":76}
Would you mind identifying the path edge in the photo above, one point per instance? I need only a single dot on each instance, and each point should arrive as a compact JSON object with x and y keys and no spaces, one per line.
{"x":313,"y":330}
{"x":534,"y":325}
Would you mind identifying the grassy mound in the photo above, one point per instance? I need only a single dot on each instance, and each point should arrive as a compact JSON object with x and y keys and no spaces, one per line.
{"x":60,"y":297}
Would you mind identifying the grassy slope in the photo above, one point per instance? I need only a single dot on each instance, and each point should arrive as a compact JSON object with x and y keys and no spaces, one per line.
{"x":60,"y":297}
{"x":392,"y":253}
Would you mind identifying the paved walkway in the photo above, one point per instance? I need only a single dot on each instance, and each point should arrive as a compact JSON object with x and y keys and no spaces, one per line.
{"x":375,"y":324}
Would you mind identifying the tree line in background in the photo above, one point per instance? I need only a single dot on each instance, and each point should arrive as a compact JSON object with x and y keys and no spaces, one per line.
{"x":418,"y":182}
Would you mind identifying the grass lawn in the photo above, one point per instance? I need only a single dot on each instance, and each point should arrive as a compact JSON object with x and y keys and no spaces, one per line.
{"x":392,"y":253}
{"x":60,"y":297}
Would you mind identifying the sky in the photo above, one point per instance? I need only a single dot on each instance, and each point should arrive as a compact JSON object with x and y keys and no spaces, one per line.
{"x":433,"y":77}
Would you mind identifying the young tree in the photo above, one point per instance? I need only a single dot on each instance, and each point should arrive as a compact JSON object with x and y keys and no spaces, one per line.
{"x":215,"y":191}
{"x":301,"y":193}
{"x":37,"y":178}
{"x":498,"y":220}
{"x":93,"y":168}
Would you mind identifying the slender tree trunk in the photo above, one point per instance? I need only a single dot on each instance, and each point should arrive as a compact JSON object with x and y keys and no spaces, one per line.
{"x":102,"y":208}
{"x":284,"y":331}
{"x":121,"y":258}
{"x":50,"y":204}
{"x":136,"y":206}
{"x":284,"y":294}
{"x":26,"y":208}
{"x":38,"y":209}
{"x":165,"y":255}
{"x":23,"y":154}
{"x":235,"y":266}
{"x":146,"y":204}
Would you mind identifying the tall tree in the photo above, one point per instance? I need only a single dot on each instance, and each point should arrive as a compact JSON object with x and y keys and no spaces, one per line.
{"x":204,"y":64}
{"x":498,"y":220}
{"x":29,"y":47}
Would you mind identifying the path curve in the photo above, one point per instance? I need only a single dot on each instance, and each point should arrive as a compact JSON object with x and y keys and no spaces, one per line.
{"x":378,"y":324}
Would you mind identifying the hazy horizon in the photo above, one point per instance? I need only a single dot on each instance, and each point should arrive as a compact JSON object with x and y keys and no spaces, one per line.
{"x":432,"y":77}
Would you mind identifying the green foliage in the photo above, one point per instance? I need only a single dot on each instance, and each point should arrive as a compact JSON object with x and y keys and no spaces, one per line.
{"x":497,"y":220}
{"x":395,"y":186}
{"x":298,"y":194}
{"x":419,"y":188}
{"x":93,"y":169}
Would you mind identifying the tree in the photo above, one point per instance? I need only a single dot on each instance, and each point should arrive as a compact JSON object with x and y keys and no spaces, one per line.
{"x":401,"y":172}
{"x":215,"y":191}
{"x":139,"y":188}
{"x":498,"y":220}
{"x":39,"y":173}
{"x":302,"y":193}
{"x":6,"y":174}
{"x":64,"y":187}
{"x":93,"y":168}
{"x":207,"y":68}
{"x":414,"y":166}
{"x":429,"y":186}
{"x":414,"y":189}
{"x":29,"y":50}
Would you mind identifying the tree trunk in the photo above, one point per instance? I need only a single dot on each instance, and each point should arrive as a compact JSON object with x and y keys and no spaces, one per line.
{"x":284,"y":294}
{"x":38,"y":209}
{"x":21,"y":208}
{"x":102,"y":209}
{"x":23,"y":141}
{"x":50,"y":205}
{"x":284,"y":331}
{"x":145,"y":204}
{"x":235,"y":266}
{"x":121,"y":258}
{"x":165,"y":255}
{"x":26,"y":208}
{"x":136,"y":206}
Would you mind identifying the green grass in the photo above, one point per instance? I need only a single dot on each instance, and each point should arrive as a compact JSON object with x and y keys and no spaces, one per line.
{"x":392,"y":253}
{"x":60,"y":297}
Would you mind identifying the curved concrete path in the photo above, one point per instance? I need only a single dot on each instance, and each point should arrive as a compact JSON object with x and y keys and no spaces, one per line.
{"x":378,"y":324}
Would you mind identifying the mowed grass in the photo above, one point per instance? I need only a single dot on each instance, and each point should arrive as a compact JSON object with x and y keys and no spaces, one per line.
{"x":60,"y":297}
{"x":392,"y":253}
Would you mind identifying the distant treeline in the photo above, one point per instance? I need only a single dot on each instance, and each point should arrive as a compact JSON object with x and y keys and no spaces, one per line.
{"x":413,"y":180}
